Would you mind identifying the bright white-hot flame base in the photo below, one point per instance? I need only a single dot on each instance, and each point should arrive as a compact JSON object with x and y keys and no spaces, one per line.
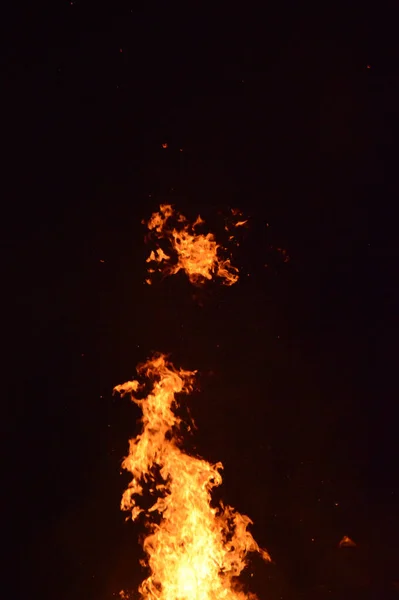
{"x":194,"y":551}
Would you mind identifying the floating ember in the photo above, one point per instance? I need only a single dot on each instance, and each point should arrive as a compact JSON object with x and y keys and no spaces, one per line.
{"x":346,"y":542}
{"x":194,"y":549}
{"x":197,"y":254}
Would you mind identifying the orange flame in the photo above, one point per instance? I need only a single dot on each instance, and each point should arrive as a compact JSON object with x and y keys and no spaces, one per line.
{"x":196,"y":551}
{"x":198,"y":255}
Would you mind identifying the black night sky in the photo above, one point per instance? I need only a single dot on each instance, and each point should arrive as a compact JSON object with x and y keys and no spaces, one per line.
{"x":289,"y":114}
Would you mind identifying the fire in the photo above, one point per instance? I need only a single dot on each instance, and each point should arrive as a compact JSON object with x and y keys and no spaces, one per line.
{"x":232,"y":223}
{"x":346,"y":542}
{"x":198,"y":255}
{"x":194,"y":550}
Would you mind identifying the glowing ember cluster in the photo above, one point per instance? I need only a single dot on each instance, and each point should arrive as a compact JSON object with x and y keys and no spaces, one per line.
{"x":194,"y":550}
{"x":197,"y":254}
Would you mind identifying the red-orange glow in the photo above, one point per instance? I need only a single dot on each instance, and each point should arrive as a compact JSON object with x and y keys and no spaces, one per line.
{"x":284,"y":254}
{"x":236,"y":211}
{"x":346,"y":542}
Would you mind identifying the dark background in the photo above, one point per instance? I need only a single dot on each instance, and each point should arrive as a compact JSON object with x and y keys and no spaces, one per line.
{"x":289,"y":113}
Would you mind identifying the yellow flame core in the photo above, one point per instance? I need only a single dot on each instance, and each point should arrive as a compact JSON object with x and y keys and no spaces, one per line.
{"x":194,"y":551}
{"x":198,"y":255}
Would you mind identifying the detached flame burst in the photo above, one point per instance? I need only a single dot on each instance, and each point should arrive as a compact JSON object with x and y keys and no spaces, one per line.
{"x":198,"y":255}
{"x":195,"y":551}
